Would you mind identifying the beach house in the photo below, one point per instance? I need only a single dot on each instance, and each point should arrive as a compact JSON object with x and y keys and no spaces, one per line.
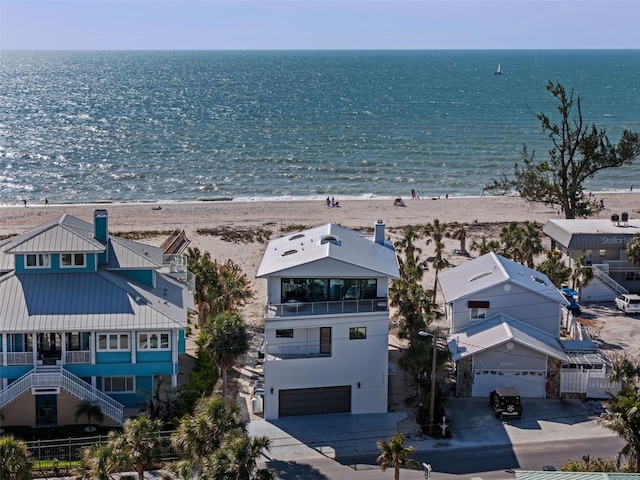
{"x":504,"y":323}
{"x":603,"y":244}
{"x":326,"y":321}
{"x":85,"y":315}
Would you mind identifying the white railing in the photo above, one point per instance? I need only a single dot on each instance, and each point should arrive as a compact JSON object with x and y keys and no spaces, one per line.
{"x":19,"y":358}
{"x":16,"y":389}
{"x":288,"y":352}
{"x":608,"y":281}
{"x":78,"y":356}
{"x":83,"y":391}
{"x":67,"y":381}
{"x":176,"y":263}
{"x":295,"y":308}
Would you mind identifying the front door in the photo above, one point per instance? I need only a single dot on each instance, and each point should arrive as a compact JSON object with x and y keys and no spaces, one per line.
{"x":49,"y":347}
{"x":325,"y":340}
{"x":46,"y":410}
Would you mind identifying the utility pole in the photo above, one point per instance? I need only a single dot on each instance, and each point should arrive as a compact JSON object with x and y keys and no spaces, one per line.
{"x":432,"y":398}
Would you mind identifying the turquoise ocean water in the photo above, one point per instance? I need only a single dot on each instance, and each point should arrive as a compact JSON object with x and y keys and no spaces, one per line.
{"x":204,"y":125}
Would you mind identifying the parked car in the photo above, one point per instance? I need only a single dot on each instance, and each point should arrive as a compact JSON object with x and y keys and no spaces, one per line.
{"x":628,"y":303}
{"x":505,"y":402}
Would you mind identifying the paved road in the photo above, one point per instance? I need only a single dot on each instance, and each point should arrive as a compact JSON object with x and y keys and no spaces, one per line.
{"x":325,"y":447}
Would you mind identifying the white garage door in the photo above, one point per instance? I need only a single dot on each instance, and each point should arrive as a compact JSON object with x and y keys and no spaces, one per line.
{"x":530,"y":384}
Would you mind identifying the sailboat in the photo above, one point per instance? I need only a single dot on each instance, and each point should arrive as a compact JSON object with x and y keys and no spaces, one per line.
{"x":499,"y":70}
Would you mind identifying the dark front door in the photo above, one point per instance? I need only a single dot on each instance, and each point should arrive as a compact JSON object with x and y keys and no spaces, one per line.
{"x":325,"y":340}
{"x":46,"y":410}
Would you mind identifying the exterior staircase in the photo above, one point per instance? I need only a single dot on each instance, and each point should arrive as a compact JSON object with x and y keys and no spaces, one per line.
{"x":52,"y":378}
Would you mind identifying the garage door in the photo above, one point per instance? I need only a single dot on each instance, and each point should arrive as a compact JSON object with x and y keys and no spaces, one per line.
{"x":529,"y":384}
{"x":314,"y":401}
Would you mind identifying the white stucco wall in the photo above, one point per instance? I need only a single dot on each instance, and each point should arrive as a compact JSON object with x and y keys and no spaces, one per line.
{"x":351,"y":361}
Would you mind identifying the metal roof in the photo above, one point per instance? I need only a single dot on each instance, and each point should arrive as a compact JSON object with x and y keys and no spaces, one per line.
{"x":490,"y":270}
{"x":328,"y":241}
{"x":66,"y":234}
{"x":498,"y":330}
{"x":129,"y":254}
{"x":96,"y":301}
{"x":539,"y":475}
{"x":591,"y":234}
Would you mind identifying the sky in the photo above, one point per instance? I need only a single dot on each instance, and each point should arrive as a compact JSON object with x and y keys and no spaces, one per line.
{"x":311,"y":25}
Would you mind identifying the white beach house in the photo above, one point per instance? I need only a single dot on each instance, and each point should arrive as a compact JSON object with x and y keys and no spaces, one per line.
{"x":326,"y":321}
{"x":85,"y":315}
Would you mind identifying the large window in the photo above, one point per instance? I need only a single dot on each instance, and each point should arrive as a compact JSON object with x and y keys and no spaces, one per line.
{"x":113,"y":341}
{"x":78,"y":341}
{"x":68,"y":260}
{"x":153,"y":341}
{"x":328,"y":289}
{"x":38,"y":260}
{"x":118,"y":384}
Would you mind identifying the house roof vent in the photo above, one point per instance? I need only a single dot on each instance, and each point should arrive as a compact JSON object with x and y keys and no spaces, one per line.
{"x":289,"y":252}
{"x":329,"y":239}
{"x":480,"y":275}
{"x":296,"y":236}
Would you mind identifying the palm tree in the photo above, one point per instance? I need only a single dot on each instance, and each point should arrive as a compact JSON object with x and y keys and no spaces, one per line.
{"x":521,"y":243}
{"x":237,"y":459}
{"x":581,"y":274}
{"x":395,"y":454}
{"x":435,"y":232}
{"x":412,"y":268}
{"x":622,"y":414}
{"x":15,"y":459}
{"x":225,"y":336}
{"x":484,"y":246}
{"x":90,"y":409}
{"x":96,"y":463}
{"x":201,"y":434}
{"x":554,"y":268}
{"x":633,"y":250}
{"x":137,"y":445}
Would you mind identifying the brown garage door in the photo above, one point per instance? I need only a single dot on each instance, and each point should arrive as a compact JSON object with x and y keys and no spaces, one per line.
{"x":314,"y":401}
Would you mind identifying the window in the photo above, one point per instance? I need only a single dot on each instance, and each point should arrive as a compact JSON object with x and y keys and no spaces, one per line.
{"x":602,"y":253}
{"x":478,"y":309}
{"x":357,"y":333}
{"x":286,"y":333}
{"x":328,"y":289}
{"x":153,"y":341}
{"x":38,"y":260}
{"x":113,"y":341}
{"x":118,"y":384}
{"x":72,"y":260}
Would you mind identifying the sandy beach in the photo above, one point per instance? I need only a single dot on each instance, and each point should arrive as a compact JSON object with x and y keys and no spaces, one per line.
{"x":237,"y":230}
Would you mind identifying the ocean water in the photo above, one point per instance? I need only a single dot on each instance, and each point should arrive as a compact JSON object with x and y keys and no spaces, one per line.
{"x":249,"y":125}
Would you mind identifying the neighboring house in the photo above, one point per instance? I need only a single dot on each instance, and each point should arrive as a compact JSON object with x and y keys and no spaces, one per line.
{"x":86,"y":316}
{"x":326,"y":321}
{"x":604,"y":243}
{"x":504,"y":324}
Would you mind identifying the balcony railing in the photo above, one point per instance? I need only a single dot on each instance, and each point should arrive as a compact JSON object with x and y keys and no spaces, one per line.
{"x":296,"y":309}
{"x":19,"y":358}
{"x":78,"y":357}
{"x":288,"y":352}
{"x":176,"y":267}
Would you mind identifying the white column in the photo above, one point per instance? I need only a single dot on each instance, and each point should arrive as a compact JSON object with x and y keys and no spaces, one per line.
{"x":63,"y":344}
{"x":134,"y":346}
{"x":174,"y":358}
{"x":4,"y":349}
{"x":34,"y":348}
{"x":93,"y":345}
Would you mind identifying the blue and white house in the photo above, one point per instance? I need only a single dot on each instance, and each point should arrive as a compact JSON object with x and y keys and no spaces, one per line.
{"x":86,"y":316}
{"x":326,"y":321}
{"x":505,"y":324}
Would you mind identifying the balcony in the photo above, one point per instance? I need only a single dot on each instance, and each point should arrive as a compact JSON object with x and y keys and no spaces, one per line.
{"x":175,"y":266}
{"x":290,"y":352}
{"x":295,"y":308}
